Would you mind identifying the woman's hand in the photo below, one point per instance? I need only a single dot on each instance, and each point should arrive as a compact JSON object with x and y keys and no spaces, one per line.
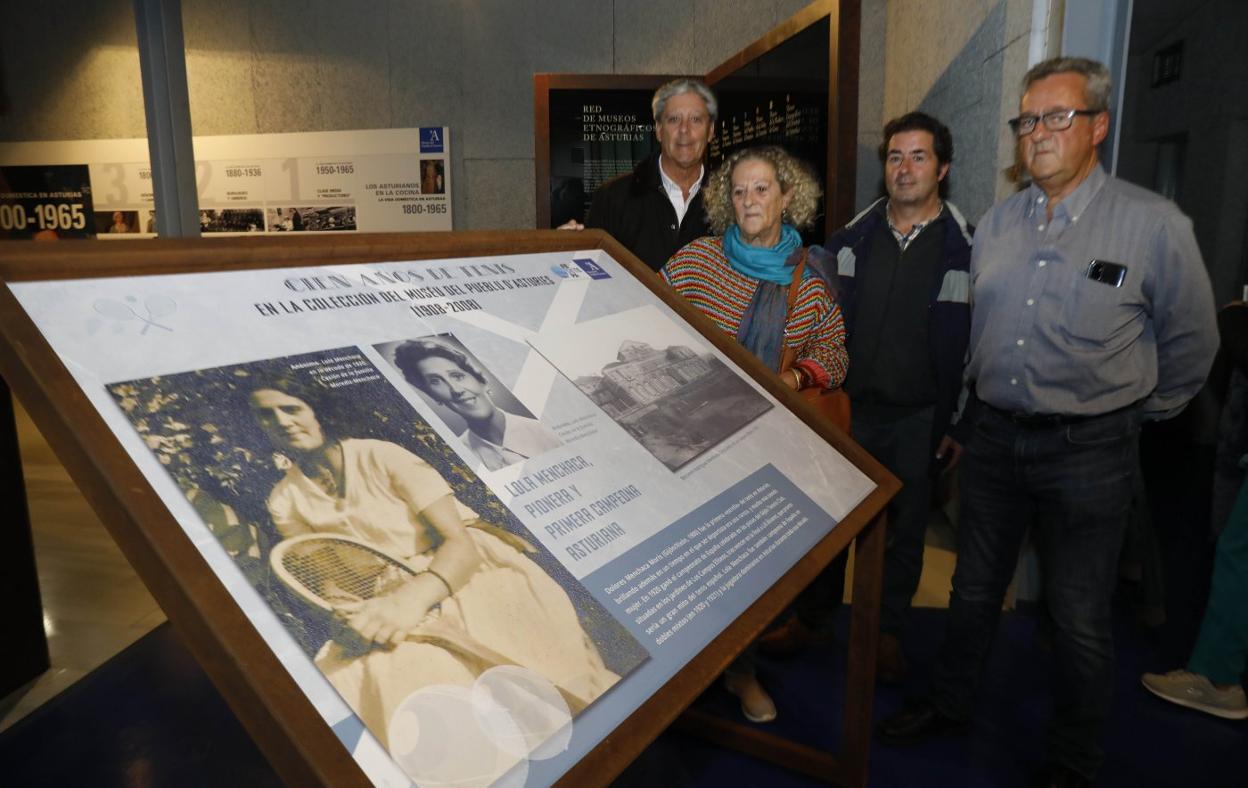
{"x":456,"y":559}
{"x":387,"y":619}
{"x":791,"y":378}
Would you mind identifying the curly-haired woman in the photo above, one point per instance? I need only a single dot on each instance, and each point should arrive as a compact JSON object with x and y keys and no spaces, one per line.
{"x":757,"y":201}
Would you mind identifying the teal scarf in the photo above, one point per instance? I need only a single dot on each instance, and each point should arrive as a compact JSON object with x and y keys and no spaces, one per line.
{"x":762,"y":326}
{"x":763,"y":262}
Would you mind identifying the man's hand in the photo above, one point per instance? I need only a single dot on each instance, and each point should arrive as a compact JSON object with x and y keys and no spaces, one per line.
{"x":952,"y":450}
{"x":571,"y":224}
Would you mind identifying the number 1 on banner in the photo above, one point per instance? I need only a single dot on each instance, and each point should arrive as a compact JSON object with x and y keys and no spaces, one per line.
{"x":292,"y":166}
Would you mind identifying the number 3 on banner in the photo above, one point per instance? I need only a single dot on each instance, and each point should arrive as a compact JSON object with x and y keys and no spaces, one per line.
{"x":119,"y":195}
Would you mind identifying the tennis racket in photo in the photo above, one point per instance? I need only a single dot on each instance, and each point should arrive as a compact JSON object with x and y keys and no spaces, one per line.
{"x":336,"y":573}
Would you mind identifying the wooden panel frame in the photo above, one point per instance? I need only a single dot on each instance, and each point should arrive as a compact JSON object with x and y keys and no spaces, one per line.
{"x":26,"y":653}
{"x":301,"y":747}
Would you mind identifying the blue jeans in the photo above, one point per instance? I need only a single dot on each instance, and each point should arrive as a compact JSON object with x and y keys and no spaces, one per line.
{"x":1222,"y":649}
{"x":1071,"y":485}
{"x":904,"y":446}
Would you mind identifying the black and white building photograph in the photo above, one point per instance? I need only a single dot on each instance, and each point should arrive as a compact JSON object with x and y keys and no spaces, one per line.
{"x":666,"y":389}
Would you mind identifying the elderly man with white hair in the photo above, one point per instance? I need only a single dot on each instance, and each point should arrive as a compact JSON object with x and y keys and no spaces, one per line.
{"x":657,"y":208}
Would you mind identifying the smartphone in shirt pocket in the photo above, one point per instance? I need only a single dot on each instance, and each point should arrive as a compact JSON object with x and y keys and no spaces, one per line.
{"x":1107,"y":273}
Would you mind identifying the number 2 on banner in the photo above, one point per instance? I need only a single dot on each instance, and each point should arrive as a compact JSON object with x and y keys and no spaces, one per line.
{"x":203,"y":177}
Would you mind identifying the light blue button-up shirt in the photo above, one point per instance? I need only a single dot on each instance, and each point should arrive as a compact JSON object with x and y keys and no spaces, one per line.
{"x":1046,"y":338}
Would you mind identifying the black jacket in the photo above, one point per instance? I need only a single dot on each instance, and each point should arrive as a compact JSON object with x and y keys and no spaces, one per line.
{"x":949,"y":311}
{"x":635,"y":210}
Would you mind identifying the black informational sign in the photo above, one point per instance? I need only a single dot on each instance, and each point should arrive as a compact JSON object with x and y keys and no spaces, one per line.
{"x":779,"y":98}
{"x":595,"y":135}
{"x":45,"y":202}
{"x":796,"y":121}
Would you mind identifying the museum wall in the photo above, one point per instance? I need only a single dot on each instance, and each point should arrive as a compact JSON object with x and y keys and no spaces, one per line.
{"x":872,"y":44}
{"x":962,"y":62}
{"x":69,"y":70}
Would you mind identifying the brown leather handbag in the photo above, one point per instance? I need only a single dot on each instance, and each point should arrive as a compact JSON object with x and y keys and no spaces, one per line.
{"x":832,"y":403}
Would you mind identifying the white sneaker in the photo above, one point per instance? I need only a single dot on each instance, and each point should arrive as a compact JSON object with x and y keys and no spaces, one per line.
{"x":1197,"y":692}
{"x":756,"y":704}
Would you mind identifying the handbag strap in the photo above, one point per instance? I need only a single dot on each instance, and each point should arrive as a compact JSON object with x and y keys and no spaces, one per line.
{"x":789,"y":357}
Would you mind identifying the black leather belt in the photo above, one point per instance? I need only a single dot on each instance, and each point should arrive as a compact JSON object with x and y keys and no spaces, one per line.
{"x":1042,"y":420}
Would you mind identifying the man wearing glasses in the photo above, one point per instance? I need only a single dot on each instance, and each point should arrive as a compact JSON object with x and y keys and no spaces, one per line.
{"x":1092,"y":311}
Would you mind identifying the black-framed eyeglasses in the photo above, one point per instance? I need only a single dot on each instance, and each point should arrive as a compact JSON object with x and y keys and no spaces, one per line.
{"x":1054,"y":120}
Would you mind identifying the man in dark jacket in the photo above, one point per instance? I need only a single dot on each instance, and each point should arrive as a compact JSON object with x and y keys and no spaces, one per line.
{"x":657,"y":208}
{"x":903,"y":265}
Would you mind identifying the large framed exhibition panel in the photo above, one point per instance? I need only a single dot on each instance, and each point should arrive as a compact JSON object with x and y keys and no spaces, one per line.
{"x":666,"y":500}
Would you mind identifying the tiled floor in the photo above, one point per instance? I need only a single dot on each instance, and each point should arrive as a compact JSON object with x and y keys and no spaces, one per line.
{"x":94,"y":604}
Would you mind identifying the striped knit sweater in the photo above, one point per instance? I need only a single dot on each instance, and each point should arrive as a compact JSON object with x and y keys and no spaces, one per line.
{"x":702,"y":274}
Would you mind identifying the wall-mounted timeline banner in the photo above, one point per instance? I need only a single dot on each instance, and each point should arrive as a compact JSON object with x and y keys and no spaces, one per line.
{"x":325,"y":181}
{"x":481,"y":509}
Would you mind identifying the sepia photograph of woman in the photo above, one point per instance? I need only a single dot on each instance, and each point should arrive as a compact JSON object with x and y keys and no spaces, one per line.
{"x":474,"y":592}
{"x":447,"y":375}
{"x":393,"y":567}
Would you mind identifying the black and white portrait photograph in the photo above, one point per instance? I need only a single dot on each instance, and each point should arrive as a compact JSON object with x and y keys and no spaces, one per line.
{"x":390,"y":563}
{"x":116,"y":222}
{"x":495,"y":427}
{"x":432,"y":176}
{"x":655,"y":380}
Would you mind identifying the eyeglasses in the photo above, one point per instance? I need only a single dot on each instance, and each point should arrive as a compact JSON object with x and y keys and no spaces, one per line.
{"x":1056,"y":120}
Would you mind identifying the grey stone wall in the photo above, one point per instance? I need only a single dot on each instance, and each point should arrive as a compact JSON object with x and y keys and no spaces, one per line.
{"x":961,"y":61}
{"x":70,"y":70}
{"x":872,"y":48}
